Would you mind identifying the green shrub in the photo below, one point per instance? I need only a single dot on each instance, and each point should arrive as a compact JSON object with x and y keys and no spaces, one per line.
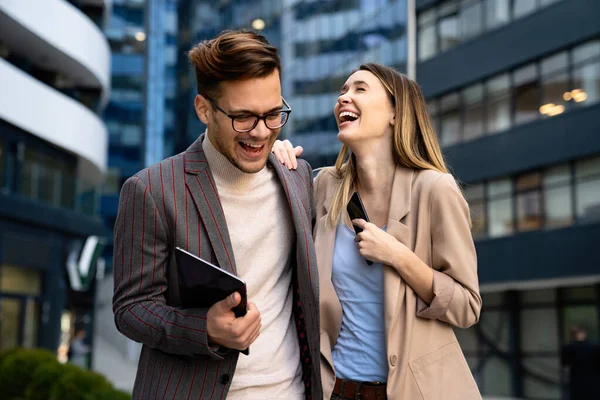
{"x":108,"y":394}
{"x":76,"y":384}
{"x":17,"y":369}
{"x":44,"y":378}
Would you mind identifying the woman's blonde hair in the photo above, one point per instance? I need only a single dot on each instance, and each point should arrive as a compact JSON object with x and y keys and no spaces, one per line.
{"x":414,"y":139}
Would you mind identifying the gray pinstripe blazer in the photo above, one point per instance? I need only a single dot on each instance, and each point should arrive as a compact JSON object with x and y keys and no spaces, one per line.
{"x":175,"y":203}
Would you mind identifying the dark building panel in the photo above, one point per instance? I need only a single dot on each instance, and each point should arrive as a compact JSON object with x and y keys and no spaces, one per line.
{"x":569,"y":252}
{"x":554,"y":140}
{"x":48,"y":217}
{"x":422,"y":4}
{"x":549,"y":30}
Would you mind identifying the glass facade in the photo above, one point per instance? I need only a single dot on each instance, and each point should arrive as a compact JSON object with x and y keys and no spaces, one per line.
{"x":320,"y":43}
{"x":541,"y":89}
{"x":554,"y":197}
{"x":141,"y":111}
{"x":526,"y":330}
{"x":451,"y":22}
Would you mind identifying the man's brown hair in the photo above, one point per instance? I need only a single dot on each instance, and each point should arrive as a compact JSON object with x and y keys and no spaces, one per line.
{"x":232,"y":55}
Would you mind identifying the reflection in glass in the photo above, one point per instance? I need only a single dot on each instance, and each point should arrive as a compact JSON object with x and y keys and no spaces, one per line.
{"x":3,"y":160}
{"x":539,"y":330}
{"x":526,"y":94}
{"x":500,"y":208}
{"x":470,"y":20}
{"x":498,"y":104}
{"x":496,"y":377}
{"x":474,"y":111}
{"x":475,"y":198}
{"x":450,"y":120}
{"x":547,"y":368}
{"x":557,"y":197}
{"x":448,"y":31}
{"x":427,"y":42}
{"x":586,"y":79}
{"x":497,"y":12}
{"x":523,"y":7}
{"x":10,"y":310}
{"x":587,"y":190}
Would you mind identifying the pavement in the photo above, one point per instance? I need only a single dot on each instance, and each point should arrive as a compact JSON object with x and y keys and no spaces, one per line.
{"x":114,"y":365}
{"x":121,"y":371}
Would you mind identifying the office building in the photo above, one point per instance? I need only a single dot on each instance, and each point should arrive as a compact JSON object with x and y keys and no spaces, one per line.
{"x":320,"y":43}
{"x":54,"y":80}
{"x":514,"y":91}
{"x":139,"y":117}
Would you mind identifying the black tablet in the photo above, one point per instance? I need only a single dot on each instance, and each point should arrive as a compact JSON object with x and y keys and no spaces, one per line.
{"x":202,"y":284}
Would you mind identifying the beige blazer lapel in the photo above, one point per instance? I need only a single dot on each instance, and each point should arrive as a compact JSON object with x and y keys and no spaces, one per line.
{"x":399,"y":208}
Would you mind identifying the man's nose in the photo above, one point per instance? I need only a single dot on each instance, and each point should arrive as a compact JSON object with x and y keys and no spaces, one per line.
{"x":261,"y":131}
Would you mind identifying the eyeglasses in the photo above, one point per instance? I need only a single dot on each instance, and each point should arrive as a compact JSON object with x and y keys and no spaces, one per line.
{"x":246,"y":122}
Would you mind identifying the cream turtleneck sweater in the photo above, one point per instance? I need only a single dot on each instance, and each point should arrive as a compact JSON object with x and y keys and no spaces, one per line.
{"x":262,"y":236}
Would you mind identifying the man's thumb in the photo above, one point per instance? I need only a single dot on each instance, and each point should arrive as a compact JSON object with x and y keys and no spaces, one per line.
{"x":233,"y":300}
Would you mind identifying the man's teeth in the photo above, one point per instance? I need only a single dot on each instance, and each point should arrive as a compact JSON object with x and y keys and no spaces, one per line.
{"x":348,"y":114}
{"x":255,"y":146}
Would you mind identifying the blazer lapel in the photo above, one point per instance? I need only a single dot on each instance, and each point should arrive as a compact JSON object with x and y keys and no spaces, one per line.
{"x":201,"y":186}
{"x":399,"y":208}
{"x":299,"y":216}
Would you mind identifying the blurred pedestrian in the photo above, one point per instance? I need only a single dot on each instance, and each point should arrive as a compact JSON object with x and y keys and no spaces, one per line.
{"x":582,"y":358}
{"x":387,"y":328}
{"x":79,"y":350}
{"x":228,"y":200}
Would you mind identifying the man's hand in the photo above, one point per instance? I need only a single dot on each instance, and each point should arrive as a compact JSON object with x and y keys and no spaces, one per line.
{"x":286,"y":153}
{"x":224,"y":329}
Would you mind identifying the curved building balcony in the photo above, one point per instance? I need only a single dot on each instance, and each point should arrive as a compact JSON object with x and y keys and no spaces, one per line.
{"x":57,"y":36}
{"x":48,"y":114}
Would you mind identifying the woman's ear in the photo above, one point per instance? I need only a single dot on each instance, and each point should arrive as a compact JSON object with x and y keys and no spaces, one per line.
{"x":203,"y":109}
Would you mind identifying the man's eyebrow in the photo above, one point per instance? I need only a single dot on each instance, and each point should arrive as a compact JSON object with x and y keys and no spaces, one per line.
{"x":245,"y":111}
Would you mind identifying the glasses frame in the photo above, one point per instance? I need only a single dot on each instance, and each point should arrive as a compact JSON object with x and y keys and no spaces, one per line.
{"x":263,"y":117}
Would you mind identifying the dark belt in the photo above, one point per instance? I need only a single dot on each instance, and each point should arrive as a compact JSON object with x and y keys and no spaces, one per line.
{"x":359,"y":390}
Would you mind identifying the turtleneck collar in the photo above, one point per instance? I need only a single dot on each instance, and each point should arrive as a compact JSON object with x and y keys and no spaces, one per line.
{"x":228,"y":175}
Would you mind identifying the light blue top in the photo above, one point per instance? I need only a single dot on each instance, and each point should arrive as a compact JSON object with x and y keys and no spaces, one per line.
{"x":360,"y":351}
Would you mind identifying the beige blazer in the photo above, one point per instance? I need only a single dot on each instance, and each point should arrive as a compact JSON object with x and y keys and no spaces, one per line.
{"x":429,"y":215}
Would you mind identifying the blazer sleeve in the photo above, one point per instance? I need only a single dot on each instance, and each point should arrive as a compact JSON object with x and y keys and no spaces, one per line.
{"x":455,"y":284}
{"x":140,"y":280}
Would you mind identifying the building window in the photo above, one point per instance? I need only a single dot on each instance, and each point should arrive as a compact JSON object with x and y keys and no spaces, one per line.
{"x":427,"y":35}
{"x":558,"y":204}
{"x":448,"y":26}
{"x":529,"y":199}
{"x":433,"y":108}
{"x":523,"y":7}
{"x":471,"y":23}
{"x":475,"y":195}
{"x":555,"y":84}
{"x":3,"y":161}
{"x":474,"y":111}
{"x":498,"y":104}
{"x":547,"y":88}
{"x":587,"y":190}
{"x":461,"y":20}
{"x":586,"y":74}
{"x":500,"y":208}
{"x":450,"y":119}
{"x":527,"y":94}
{"x":497,"y":13}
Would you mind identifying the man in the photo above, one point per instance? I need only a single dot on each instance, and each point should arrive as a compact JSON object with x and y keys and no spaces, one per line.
{"x":228,"y":200}
{"x":583,"y":360}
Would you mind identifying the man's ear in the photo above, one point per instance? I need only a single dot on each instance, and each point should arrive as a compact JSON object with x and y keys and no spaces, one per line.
{"x":203,"y":109}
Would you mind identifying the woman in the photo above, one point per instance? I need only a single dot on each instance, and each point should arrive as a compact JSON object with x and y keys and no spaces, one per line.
{"x":386,"y":328}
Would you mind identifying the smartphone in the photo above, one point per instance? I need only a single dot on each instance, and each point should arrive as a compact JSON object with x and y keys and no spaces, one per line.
{"x":356,"y":210}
